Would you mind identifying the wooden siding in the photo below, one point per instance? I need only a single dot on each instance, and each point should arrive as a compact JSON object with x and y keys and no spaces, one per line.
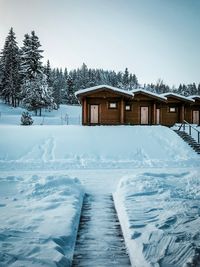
{"x":119,"y":115}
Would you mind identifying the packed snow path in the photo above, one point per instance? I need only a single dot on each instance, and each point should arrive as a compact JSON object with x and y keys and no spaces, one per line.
{"x":99,"y":241}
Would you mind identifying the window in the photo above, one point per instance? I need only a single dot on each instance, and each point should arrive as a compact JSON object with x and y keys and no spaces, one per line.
{"x":112,"y":105}
{"x":127,"y":107}
{"x":172,"y":109}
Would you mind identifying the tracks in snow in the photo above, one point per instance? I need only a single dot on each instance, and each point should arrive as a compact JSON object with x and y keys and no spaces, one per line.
{"x":99,"y":241}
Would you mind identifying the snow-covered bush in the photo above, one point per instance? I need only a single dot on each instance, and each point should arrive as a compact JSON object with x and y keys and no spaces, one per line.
{"x":26,"y":119}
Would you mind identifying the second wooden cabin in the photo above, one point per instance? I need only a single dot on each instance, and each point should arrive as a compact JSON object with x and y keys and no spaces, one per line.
{"x":106,"y":105}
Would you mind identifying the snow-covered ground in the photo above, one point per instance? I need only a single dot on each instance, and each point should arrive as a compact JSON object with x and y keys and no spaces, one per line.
{"x":66,"y":147}
{"x":160,"y":217}
{"x":66,"y":114}
{"x":39,"y":219}
{"x":40,"y":205}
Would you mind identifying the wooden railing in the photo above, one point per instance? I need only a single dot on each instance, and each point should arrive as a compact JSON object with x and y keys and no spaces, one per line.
{"x":186,"y":124}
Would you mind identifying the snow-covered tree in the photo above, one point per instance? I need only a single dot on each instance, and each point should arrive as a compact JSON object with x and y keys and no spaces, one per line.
{"x":126,"y":79}
{"x":38,"y":94}
{"x":31,"y":64}
{"x":71,"y":99}
{"x":26,"y":119}
{"x":10,"y":66}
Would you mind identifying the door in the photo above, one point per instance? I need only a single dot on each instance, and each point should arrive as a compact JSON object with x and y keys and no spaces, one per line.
{"x":94,"y":114}
{"x":195,"y":116}
{"x":157,"y":116}
{"x":144,"y":115}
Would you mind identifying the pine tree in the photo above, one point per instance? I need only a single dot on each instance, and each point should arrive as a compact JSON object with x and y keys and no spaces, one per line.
{"x":38,"y":94}
{"x":126,"y":79}
{"x":10,"y":66}
{"x":48,"y":73}
{"x":71,"y":99}
{"x":26,"y":119}
{"x":31,"y":64}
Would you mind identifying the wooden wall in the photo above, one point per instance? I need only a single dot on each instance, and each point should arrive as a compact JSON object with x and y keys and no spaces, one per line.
{"x":117,"y":116}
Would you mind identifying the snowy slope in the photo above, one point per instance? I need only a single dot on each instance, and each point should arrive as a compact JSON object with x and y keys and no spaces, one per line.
{"x":58,"y":147}
{"x":160,"y":217}
{"x":66,"y":114}
{"x":39,"y":220}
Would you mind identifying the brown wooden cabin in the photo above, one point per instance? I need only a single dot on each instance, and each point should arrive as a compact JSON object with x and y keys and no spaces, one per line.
{"x":106,"y":105}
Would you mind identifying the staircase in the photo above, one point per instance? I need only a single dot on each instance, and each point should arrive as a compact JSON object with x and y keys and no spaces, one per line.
{"x":187,"y":138}
{"x":99,"y":241}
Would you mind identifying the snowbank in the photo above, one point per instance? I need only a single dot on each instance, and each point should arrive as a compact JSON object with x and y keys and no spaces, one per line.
{"x":39,"y":220}
{"x":61,"y":147}
{"x":160,"y":218}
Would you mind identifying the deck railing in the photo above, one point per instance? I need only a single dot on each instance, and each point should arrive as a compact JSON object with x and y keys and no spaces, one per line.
{"x":186,"y":125}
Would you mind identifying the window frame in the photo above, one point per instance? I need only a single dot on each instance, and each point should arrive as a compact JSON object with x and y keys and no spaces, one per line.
{"x":127,"y":105}
{"x":172,"y":107}
{"x":112,"y":102}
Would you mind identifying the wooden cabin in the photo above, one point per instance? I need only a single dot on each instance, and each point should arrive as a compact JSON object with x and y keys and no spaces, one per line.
{"x":107,"y":105}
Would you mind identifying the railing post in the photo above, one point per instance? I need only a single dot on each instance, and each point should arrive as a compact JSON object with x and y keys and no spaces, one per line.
{"x":189,"y":129}
{"x":198,"y":137}
{"x":183,"y":126}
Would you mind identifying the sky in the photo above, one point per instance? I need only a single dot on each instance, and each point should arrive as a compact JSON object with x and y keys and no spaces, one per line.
{"x":155,"y":39}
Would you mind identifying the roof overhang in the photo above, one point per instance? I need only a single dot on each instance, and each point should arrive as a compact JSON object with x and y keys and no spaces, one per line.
{"x":178,"y":97}
{"x":87,"y":91}
{"x":150,"y":94}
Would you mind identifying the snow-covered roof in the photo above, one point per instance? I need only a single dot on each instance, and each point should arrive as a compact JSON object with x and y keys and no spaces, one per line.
{"x":98,"y":87}
{"x":194,"y":96}
{"x":178,"y":96}
{"x":148,"y":93}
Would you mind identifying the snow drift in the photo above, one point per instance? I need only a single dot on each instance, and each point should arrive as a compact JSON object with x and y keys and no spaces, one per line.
{"x":39,"y":220}
{"x":160,"y":218}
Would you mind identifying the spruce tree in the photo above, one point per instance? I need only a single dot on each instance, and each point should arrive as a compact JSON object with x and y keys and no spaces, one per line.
{"x":36,"y":92}
{"x":31,"y":64}
{"x":126,"y":79}
{"x":10,"y":66}
{"x":71,"y":99}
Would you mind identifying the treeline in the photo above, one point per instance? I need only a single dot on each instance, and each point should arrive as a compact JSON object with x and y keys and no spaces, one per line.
{"x":25,"y":81}
{"x":65,"y":83}
{"x":183,"y":89}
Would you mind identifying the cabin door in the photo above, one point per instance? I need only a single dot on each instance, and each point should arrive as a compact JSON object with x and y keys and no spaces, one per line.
{"x":157,"y":116}
{"x":144,"y":115}
{"x":94,"y":114}
{"x":195,"y":116}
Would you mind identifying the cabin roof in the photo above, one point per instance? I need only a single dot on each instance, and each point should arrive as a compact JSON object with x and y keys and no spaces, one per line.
{"x":154,"y":95}
{"x":99,"y":87}
{"x":177,"y":96}
{"x":194,"y":97}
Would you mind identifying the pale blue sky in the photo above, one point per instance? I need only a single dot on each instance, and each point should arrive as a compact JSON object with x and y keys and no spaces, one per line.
{"x":153,"y":38}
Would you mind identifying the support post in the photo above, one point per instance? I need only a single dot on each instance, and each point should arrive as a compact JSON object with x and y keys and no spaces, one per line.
{"x":122,"y":111}
{"x":84,"y":111}
{"x":182,"y":113}
{"x":154,"y":113}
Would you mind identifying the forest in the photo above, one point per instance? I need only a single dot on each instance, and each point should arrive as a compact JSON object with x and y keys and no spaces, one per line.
{"x":26,"y":81}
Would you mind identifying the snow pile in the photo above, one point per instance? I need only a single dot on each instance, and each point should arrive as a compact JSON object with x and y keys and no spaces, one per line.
{"x":160,"y":217}
{"x":61,"y":147}
{"x":39,"y":220}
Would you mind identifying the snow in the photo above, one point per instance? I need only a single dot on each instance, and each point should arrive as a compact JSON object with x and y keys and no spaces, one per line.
{"x":178,"y":96}
{"x":41,"y":196}
{"x":194,"y":97}
{"x":149,"y":93}
{"x":65,"y":147}
{"x":160,"y":217}
{"x":39,"y":219}
{"x":94,"y":88}
{"x":66,"y":114}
